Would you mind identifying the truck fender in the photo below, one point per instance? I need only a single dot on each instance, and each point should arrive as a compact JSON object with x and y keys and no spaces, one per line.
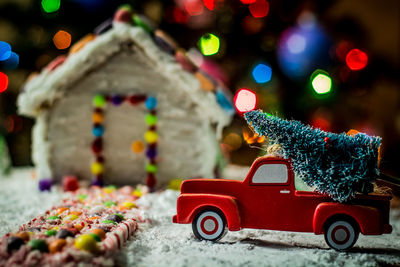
{"x":369,"y":219}
{"x":189,"y":205}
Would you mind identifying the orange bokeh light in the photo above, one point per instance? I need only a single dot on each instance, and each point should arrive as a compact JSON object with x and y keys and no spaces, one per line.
{"x":62,"y":40}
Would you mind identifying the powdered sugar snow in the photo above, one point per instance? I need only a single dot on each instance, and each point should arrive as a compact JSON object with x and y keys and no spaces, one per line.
{"x":162,"y":243}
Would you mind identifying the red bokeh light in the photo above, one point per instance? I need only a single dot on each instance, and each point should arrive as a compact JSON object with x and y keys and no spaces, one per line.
{"x":210,"y":4}
{"x":3,"y":82}
{"x":259,"y":8}
{"x":247,"y":2}
{"x":194,"y":7}
{"x":245,"y":100}
{"x":356,"y":59}
{"x":322,"y":124}
{"x":180,"y":16}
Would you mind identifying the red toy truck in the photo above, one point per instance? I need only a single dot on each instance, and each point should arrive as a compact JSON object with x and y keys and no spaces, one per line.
{"x":267,"y":199}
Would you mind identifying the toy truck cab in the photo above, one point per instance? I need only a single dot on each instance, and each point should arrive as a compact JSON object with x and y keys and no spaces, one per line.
{"x":267,"y":199}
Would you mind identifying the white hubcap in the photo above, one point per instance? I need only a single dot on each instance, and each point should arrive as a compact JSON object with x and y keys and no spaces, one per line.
{"x":209,"y":225}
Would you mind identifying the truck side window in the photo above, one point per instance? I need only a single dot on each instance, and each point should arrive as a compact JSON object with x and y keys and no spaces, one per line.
{"x":271,"y":173}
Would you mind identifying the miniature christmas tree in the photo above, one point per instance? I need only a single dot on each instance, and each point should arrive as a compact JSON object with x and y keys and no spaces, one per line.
{"x":5,"y":162}
{"x":339,"y":165}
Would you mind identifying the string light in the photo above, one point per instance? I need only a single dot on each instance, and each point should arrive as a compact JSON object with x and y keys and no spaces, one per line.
{"x":356,"y":59}
{"x":245,"y":100}
{"x":50,"y":6}
{"x":209,"y":44}
{"x":321,"y":82}
{"x":3,"y":82}
{"x":262,"y":73}
{"x":259,"y":8}
{"x":62,"y":39}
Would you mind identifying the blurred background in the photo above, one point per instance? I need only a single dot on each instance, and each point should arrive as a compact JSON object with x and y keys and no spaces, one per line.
{"x":333,"y":64}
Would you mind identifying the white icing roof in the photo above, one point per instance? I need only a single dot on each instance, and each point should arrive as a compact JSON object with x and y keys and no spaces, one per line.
{"x":44,"y":89}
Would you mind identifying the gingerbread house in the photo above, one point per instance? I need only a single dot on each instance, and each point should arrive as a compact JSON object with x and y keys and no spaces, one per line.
{"x":125,"y":105}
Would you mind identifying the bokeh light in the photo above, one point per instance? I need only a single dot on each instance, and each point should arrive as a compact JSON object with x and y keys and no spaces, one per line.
{"x":3,"y":82}
{"x":356,"y":59}
{"x":62,"y":40}
{"x":245,"y":100}
{"x":259,"y":8}
{"x":296,"y":43}
{"x":247,"y":2}
{"x":302,"y":50}
{"x":5,"y":51}
{"x":321,"y":82}
{"x":233,"y":140}
{"x":12,"y":62}
{"x":50,"y":6}
{"x":262,"y":73}
{"x":210,"y":4}
{"x":209,"y":44}
{"x":252,"y":138}
{"x":194,"y":7}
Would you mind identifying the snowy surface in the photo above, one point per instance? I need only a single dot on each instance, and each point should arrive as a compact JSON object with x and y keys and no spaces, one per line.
{"x":162,"y":243}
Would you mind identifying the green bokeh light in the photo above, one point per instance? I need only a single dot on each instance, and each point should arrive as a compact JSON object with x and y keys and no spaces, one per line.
{"x":321,"y":82}
{"x":50,"y":6}
{"x":209,"y":44}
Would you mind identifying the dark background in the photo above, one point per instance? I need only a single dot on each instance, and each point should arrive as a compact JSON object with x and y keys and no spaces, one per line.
{"x":366,"y":100}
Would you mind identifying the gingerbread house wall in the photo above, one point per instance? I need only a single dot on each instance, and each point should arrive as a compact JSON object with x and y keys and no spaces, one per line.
{"x":187,"y":144}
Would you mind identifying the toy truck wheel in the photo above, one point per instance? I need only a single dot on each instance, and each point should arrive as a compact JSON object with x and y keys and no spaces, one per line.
{"x":341,"y":234}
{"x":209,"y":225}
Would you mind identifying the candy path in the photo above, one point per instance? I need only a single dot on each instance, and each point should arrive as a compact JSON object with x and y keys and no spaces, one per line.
{"x":162,"y":243}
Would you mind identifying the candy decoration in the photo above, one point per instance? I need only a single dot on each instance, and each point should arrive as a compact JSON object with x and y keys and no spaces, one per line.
{"x":53,"y":218}
{"x":184,"y":61}
{"x":117,"y":100}
{"x":137,"y":146}
{"x":97,"y":118}
{"x":165,"y":42}
{"x":38,"y":244}
{"x":151,"y":168}
{"x":86,"y":242}
{"x":45,"y":184}
{"x":81,"y":43}
{"x":151,"y":153}
{"x":61,"y":210}
{"x":109,"y":203}
{"x":71,"y":217}
{"x":123,"y":15}
{"x":150,"y":136}
{"x":57,"y":245}
{"x":205,"y":82}
{"x":223,"y":101}
{"x":136,"y":99}
{"x":103,"y":27}
{"x":97,"y":168}
{"x":129,"y":205}
{"x":143,"y":23}
{"x":151,"y":119}
{"x":14,"y":243}
{"x":51,"y":232}
{"x":64,"y":233}
{"x":151,"y":103}
{"x":70,"y":183}
{"x":98,"y":130}
{"x":115,"y":218}
{"x":97,"y":146}
{"x":96,"y":237}
{"x":150,"y":180}
{"x":23,"y":235}
{"x":99,"y":232}
{"x":58,"y":61}
{"x":99,"y":101}
{"x":109,"y":222}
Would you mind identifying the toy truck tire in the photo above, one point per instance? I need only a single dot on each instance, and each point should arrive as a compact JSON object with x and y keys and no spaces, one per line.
{"x":341,"y":233}
{"x":209,"y":225}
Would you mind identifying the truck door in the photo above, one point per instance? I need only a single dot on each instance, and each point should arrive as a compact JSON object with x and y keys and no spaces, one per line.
{"x":272,"y":196}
